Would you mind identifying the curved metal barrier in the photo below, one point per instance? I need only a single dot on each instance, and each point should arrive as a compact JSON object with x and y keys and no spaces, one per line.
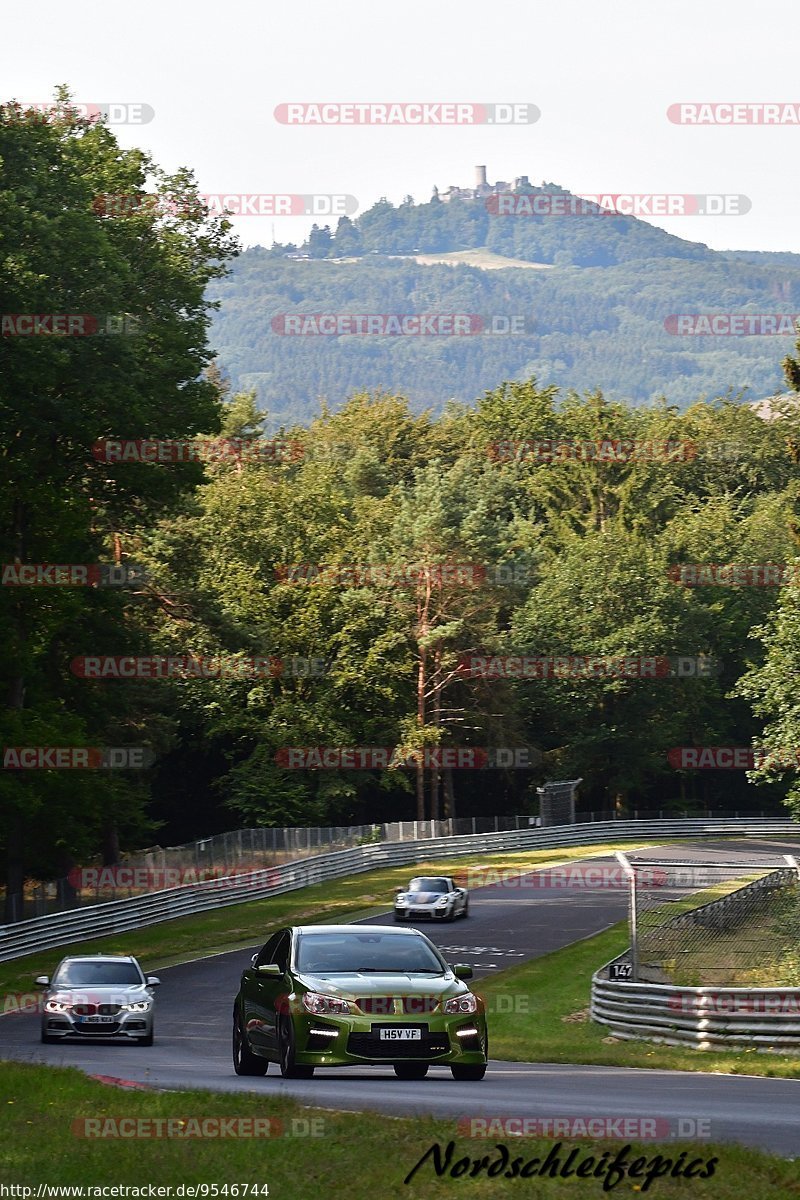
{"x":79,"y":925}
{"x":703,"y":1017}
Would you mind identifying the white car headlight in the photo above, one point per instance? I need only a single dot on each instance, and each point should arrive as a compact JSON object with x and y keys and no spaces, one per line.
{"x":444,"y":900}
{"x":315,"y":1002}
{"x":462,"y":1004}
{"x":136,"y":1006}
{"x":57,"y":1006}
{"x":401,"y":899}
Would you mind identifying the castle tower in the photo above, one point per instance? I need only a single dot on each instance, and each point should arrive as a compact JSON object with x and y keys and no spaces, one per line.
{"x":480,"y":177}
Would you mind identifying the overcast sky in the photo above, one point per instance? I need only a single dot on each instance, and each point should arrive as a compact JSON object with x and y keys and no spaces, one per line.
{"x":603,"y":76}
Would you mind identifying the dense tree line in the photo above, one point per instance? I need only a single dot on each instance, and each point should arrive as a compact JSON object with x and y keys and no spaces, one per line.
{"x":591,"y":326}
{"x":364,"y":560}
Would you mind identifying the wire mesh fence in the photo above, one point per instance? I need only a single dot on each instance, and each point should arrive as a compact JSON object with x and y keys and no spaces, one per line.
{"x":227,"y":854}
{"x":734,"y":923}
{"x":242,"y":850}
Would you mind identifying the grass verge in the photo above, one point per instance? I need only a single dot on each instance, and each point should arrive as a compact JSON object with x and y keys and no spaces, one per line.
{"x":238,"y":925}
{"x":354,"y":1155}
{"x":539,"y":1012}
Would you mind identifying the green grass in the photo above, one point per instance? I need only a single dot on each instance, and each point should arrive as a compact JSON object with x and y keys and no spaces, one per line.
{"x":239,"y":925}
{"x":762,"y":951}
{"x":353,"y":1156}
{"x":539,"y":1012}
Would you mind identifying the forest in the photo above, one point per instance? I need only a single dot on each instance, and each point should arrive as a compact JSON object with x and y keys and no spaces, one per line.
{"x":384,"y":610}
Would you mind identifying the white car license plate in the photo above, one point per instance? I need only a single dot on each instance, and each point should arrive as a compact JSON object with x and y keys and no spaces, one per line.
{"x":401,"y":1035}
{"x":97,"y":1020}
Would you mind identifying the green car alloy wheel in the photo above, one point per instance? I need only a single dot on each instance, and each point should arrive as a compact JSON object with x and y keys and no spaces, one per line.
{"x":350,"y":995}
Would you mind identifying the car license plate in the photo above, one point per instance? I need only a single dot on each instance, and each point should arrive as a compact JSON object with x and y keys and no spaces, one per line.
{"x":97,"y":1020}
{"x":401,"y":1035}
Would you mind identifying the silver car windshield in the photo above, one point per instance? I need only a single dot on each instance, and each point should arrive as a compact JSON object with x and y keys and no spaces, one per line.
{"x":334,"y":953}
{"x":424,"y":884}
{"x":97,"y":974}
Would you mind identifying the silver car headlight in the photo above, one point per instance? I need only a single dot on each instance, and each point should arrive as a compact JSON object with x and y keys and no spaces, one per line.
{"x":315,"y":1002}
{"x":136,"y":1006}
{"x":401,"y":900}
{"x":57,"y":1006}
{"x":462,"y":1004}
{"x":444,"y":900}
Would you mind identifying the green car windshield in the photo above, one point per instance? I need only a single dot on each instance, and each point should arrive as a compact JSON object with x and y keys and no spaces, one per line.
{"x":341,"y":953}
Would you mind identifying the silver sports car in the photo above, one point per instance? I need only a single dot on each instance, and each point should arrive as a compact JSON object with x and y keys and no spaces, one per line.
{"x":98,"y":995}
{"x":434,"y":896}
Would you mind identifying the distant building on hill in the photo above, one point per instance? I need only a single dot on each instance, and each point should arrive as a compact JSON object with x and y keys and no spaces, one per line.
{"x":481,"y":188}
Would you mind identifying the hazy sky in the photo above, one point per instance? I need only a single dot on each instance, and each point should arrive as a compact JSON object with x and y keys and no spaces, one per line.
{"x":603,"y":76}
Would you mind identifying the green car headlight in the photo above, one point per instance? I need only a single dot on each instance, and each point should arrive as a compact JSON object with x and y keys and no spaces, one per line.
{"x":315,"y":1002}
{"x":462,"y":1004}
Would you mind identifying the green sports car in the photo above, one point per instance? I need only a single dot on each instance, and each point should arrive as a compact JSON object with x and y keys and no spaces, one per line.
{"x":348,"y":995}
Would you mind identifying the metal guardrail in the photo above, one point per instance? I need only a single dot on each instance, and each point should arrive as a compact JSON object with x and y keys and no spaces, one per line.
{"x":703,"y":1017}
{"x":119,"y":916}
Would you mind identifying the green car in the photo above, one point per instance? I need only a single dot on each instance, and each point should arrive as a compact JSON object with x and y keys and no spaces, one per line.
{"x":348,"y":995}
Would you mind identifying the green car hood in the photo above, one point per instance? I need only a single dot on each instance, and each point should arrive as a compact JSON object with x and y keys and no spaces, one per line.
{"x":351,"y":984}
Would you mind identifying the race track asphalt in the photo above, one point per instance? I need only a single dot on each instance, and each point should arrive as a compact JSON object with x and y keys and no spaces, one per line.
{"x":506,"y":925}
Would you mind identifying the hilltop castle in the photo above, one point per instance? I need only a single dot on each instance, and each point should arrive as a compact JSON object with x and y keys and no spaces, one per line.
{"x":481,"y":188}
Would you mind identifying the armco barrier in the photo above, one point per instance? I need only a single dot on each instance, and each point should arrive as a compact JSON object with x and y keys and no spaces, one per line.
{"x":703,"y":1017}
{"x":118,"y":916}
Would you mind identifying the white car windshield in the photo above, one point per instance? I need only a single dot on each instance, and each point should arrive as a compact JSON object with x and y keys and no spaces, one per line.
{"x":426,"y":884}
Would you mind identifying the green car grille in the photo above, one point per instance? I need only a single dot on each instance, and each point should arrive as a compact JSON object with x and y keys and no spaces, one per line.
{"x":371,"y":1045}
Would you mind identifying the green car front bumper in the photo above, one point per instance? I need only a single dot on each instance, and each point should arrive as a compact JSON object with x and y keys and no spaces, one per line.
{"x":338,"y":1041}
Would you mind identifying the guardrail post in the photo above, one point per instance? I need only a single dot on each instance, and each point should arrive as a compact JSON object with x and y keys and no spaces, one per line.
{"x":792,"y":861}
{"x":624,"y":862}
